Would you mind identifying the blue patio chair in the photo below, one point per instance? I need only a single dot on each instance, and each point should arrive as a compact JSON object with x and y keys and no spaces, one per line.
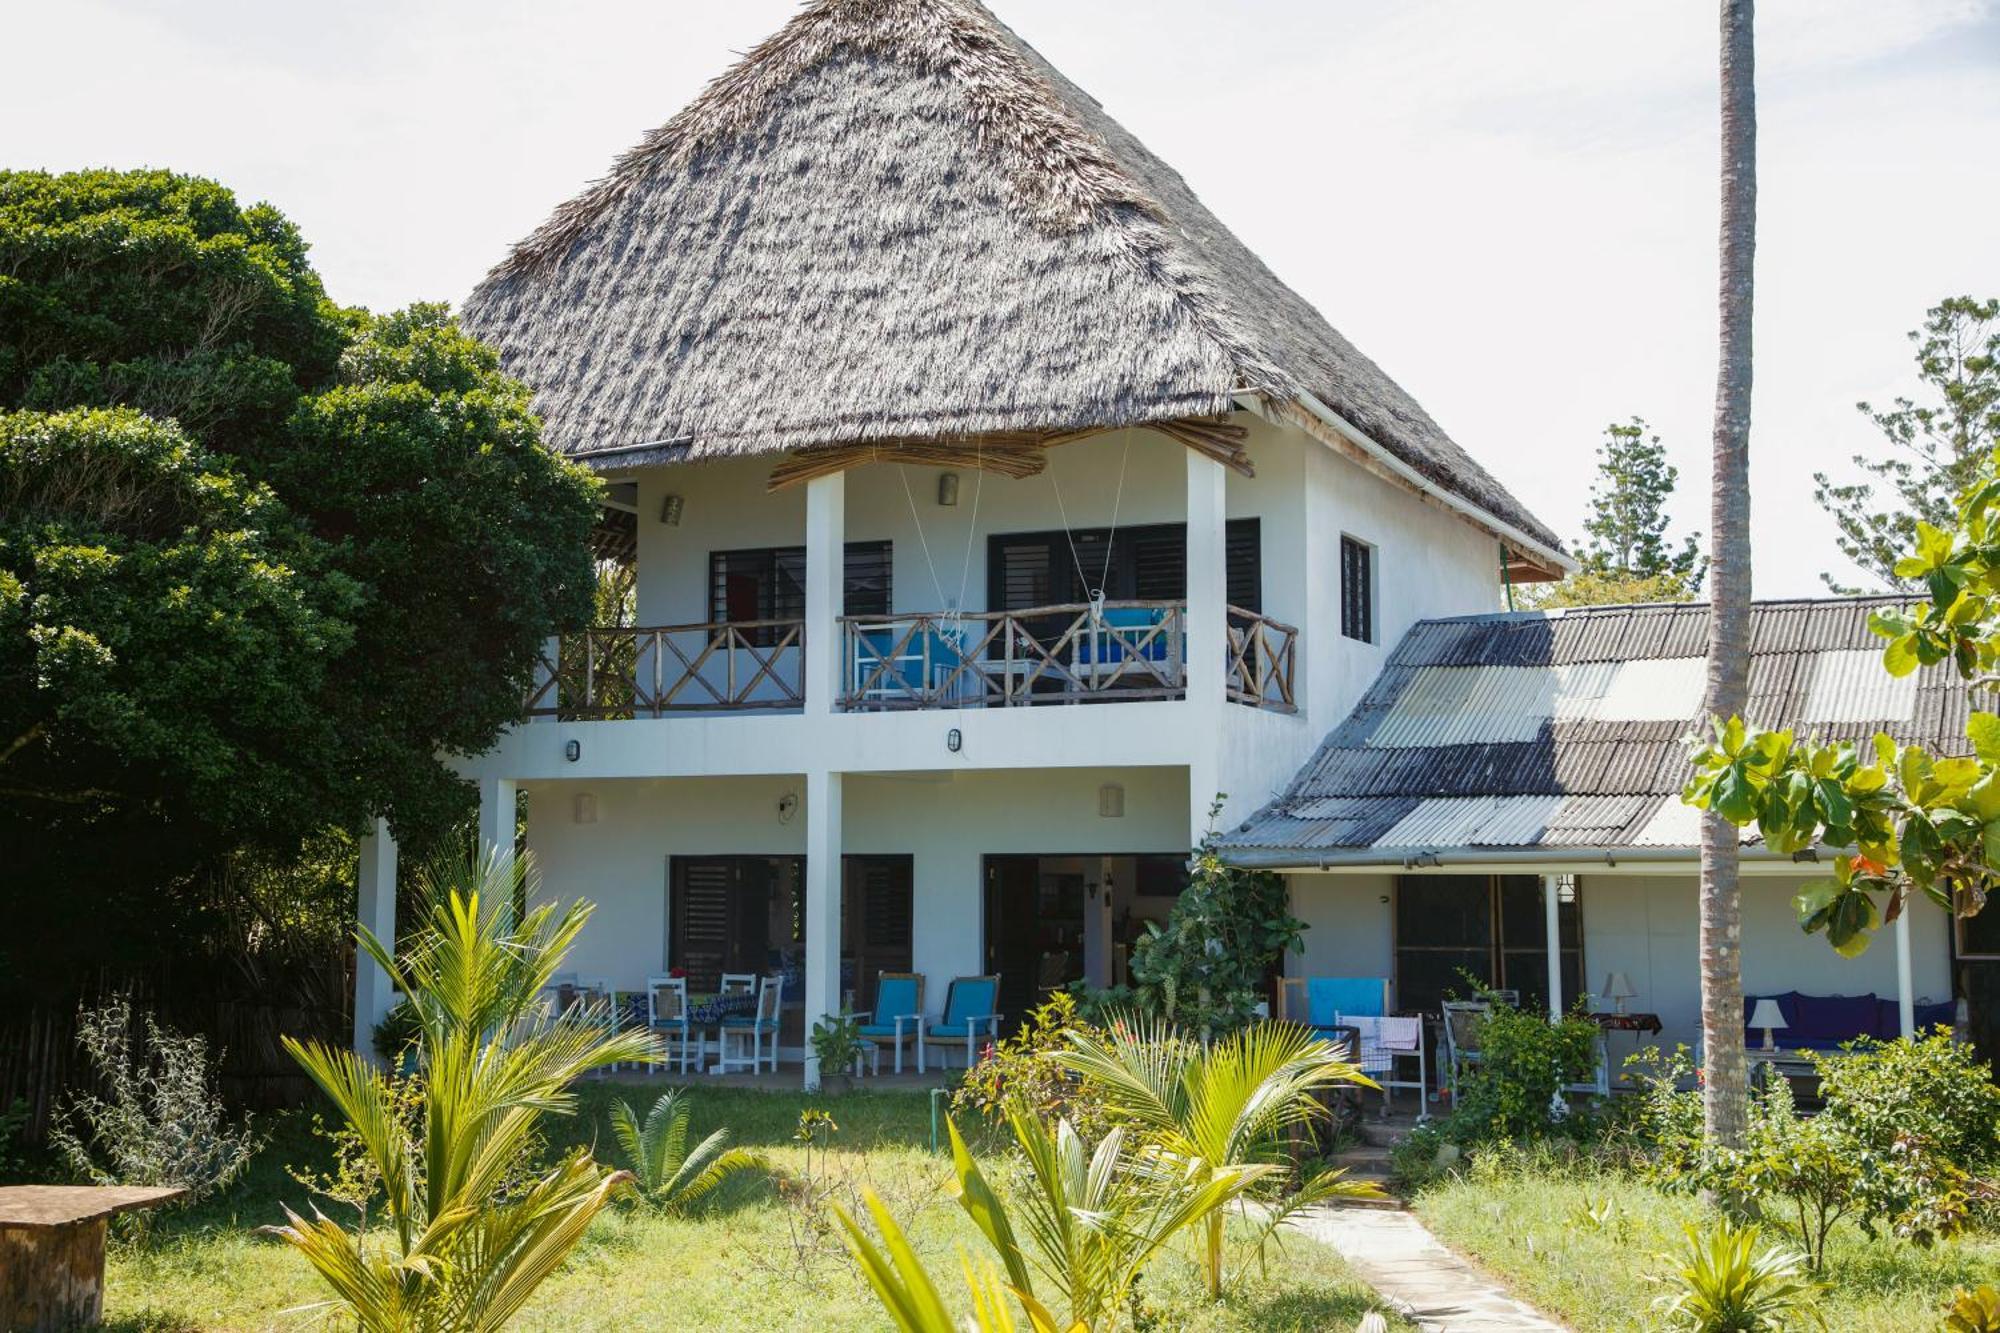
{"x":971,"y":1005}
{"x":1120,"y":636}
{"x":902,"y":664}
{"x":898,"y":1015}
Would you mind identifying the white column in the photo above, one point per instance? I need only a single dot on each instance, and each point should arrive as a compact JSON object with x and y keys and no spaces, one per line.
{"x":1207,"y":629}
{"x":826,"y":569}
{"x":1552,"y":913}
{"x":496,"y":822}
{"x":375,"y":910}
{"x":1906,"y":1000}
{"x":822,"y":907}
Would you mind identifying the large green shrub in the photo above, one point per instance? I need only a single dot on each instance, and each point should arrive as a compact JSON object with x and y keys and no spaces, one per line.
{"x":1929,"y":1090}
{"x":1525,"y":1061}
{"x":1205,"y":970}
{"x":1023,"y":1070}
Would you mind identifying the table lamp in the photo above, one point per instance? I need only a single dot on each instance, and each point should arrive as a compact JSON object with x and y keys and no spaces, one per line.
{"x":1768,"y":1017}
{"x":1618,"y":989}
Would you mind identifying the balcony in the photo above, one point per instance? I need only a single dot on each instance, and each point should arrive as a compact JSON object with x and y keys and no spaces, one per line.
{"x":1078,"y":653}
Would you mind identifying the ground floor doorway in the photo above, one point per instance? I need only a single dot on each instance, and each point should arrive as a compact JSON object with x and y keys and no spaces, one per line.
{"x":1054,"y":919}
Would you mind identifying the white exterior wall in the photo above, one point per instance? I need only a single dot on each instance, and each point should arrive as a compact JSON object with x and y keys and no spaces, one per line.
{"x":946,"y":822}
{"x":1643,"y":926}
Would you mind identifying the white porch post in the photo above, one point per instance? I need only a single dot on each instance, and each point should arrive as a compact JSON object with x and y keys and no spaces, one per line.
{"x":822,"y":907}
{"x":1906,"y":1000}
{"x":1207,"y":625}
{"x":496,"y":822}
{"x":826,"y":576}
{"x":1552,"y":913}
{"x":375,"y":908}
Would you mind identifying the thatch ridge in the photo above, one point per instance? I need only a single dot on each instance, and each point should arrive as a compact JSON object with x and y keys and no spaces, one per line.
{"x":893,"y":219}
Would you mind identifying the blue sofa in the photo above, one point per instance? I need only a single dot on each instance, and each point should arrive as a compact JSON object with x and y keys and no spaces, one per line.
{"x":1828,"y":1022}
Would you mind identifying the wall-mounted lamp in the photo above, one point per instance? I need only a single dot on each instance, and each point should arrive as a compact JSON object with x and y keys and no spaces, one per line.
{"x":948,"y":488}
{"x":788,"y":805}
{"x":572,"y":750}
{"x":954,"y":740}
{"x":583,"y":809}
{"x":670,"y":510}
{"x":1111,"y":801}
{"x":1565,"y":889}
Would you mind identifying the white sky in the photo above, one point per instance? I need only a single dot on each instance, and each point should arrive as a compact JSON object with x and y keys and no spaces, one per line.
{"x":1510,"y":206}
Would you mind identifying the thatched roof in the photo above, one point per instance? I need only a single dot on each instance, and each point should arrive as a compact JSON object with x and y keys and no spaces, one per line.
{"x":893,"y":220}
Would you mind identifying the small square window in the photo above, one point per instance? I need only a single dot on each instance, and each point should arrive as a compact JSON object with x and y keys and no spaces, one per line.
{"x":1357,"y":590}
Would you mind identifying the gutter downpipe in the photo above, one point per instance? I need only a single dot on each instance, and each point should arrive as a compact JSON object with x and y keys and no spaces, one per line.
{"x":1411,"y":477}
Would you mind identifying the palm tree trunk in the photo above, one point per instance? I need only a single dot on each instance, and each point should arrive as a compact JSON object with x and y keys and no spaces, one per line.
{"x":1725,"y":1108}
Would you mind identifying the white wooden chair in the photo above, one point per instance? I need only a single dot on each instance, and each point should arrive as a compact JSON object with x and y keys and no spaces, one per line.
{"x":757,"y":1031}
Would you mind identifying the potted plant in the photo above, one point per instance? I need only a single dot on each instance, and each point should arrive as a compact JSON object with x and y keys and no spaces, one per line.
{"x":836,"y":1040}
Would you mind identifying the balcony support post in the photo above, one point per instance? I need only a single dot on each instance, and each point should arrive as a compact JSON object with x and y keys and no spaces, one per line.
{"x":823,"y":839}
{"x":1206,"y":628}
{"x":375,"y":908}
{"x":496,"y":825}
{"x":826,"y":569}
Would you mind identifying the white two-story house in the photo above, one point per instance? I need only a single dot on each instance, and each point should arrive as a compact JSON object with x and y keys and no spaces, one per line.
{"x":992,"y":509}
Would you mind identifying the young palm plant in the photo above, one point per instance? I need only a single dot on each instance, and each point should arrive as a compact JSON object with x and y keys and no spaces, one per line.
{"x":1221,"y":1106}
{"x":665,"y":1173}
{"x":1722,"y":1283}
{"x":474,"y":1227}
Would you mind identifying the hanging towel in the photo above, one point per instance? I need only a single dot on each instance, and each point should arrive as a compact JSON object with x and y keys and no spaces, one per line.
{"x":1390,"y":1034}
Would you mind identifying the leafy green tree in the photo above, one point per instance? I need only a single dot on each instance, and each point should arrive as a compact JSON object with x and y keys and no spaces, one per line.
{"x":1936,"y":446}
{"x":1628,"y":557}
{"x":271,"y":560}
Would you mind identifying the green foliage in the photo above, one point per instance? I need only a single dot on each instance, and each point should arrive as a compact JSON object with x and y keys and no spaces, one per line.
{"x":1525,"y":1060}
{"x":836,"y":1041}
{"x":1973,"y":1311}
{"x":396,"y":1034}
{"x":1026,"y":1070}
{"x":910,"y":1296}
{"x":1205,"y":968}
{"x":1927,"y":1089}
{"x":1628,"y":557}
{"x":160,"y":1120}
{"x":474,"y":1225}
{"x":1722,"y":1283}
{"x":1611,"y":588}
{"x":13,"y":1121}
{"x":249,"y":547}
{"x":1936,"y":448}
{"x":666,"y":1172}
{"x":1083,"y":1226}
{"x":1804,"y":1165}
{"x":1218,"y":1106}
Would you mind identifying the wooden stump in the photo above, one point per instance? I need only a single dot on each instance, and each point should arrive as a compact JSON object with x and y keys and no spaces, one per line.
{"x":52,"y":1251}
{"x":52,"y":1277}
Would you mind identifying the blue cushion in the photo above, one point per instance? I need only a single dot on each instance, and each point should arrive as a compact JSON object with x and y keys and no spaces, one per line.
{"x":1329,"y":997}
{"x":670,"y":1024}
{"x":887,"y":1030}
{"x":750,"y":1024}
{"x":970,"y":998}
{"x":956,"y":1032}
{"x":1818,"y":1022}
{"x":1131,"y":643}
{"x":893,"y":996}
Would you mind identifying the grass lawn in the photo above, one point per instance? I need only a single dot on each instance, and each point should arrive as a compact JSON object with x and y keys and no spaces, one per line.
{"x":751,"y":1260}
{"x":1529,"y":1230}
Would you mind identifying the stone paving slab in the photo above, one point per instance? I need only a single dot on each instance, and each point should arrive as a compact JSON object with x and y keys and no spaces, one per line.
{"x":1397,"y":1255}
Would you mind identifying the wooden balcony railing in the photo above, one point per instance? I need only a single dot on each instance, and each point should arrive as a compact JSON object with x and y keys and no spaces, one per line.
{"x":1010,"y":659}
{"x":1263,"y":661}
{"x":621,"y":672}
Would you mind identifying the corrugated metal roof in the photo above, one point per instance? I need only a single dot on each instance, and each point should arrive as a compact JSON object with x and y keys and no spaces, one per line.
{"x":1570,"y":728}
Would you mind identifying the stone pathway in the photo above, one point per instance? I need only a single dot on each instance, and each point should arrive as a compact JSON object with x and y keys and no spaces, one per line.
{"x":1394,"y":1253}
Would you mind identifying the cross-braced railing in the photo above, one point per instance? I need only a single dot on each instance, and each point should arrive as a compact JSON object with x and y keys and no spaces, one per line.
{"x":1263,"y":660}
{"x":626,"y":672}
{"x":1006,"y":659}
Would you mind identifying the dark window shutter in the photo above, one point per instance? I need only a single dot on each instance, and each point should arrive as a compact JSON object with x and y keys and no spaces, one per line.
{"x":701,"y":907}
{"x":1357,"y":596}
{"x":1245,"y":544}
{"x":1159,"y":562}
{"x":1020,"y":571}
{"x":870,"y":572}
{"x":880,"y":917}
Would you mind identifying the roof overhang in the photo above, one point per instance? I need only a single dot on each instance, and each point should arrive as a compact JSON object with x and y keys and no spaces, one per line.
{"x":1550,"y":860}
{"x":1528,"y":559}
